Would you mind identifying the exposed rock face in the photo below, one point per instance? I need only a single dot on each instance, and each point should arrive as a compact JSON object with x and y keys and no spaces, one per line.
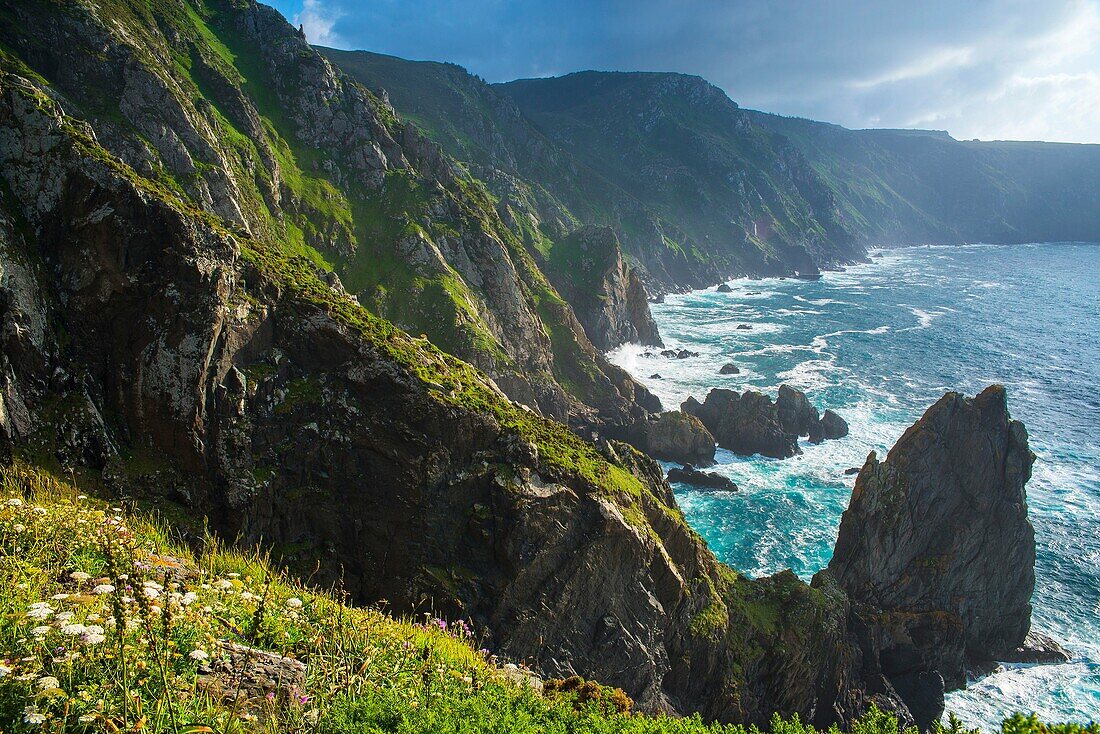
{"x":936,"y":550}
{"x":746,"y":423}
{"x":688,"y":474}
{"x":675,"y":436}
{"x":588,"y":269}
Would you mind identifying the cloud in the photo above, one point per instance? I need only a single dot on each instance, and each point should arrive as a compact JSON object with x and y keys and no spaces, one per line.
{"x":319,"y":21}
{"x":984,"y":68}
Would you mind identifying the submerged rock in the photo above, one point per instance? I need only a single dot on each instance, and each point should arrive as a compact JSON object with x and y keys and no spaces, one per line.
{"x":729,"y":368}
{"x":744,"y":327}
{"x":688,"y":474}
{"x":936,"y":551}
{"x":724,"y":288}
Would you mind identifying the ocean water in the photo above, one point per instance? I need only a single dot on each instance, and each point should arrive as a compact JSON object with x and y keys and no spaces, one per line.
{"x":880,"y":343}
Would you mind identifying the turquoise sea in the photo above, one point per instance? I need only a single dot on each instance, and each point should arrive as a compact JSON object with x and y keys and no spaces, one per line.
{"x":879,"y":343}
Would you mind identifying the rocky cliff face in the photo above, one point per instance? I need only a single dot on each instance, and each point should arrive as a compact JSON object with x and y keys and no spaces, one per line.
{"x":199,"y":352}
{"x":233,"y":112}
{"x":608,"y":296}
{"x":936,"y":551}
{"x":160,"y":354}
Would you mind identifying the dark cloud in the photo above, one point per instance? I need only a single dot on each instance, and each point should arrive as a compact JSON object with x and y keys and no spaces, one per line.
{"x":986,"y":68}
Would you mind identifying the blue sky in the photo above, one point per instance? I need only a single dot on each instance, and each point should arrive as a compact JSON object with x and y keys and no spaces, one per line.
{"x":991,"y":69}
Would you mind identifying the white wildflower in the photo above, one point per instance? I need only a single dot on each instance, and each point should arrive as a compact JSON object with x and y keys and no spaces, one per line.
{"x":79,"y":576}
{"x":41,"y":631}
{"x":73,"y":630}
{"x":5,"y":671}
{"x":64,"y":616}
{"x":198,"y":655}
{"x":103,"y":589}
{"x":150,"y":592}
{"x":31,"y":715}
{"x":87,"y":718}
{"x":93,"y":639}
{"x":48,"y":683}
{"x":294,"y":602}
{"x":233,"y":575}
{"x":19,"y":527}
{"x":189,"y":598}
{"x":39,"y":612}
{"x":59,"y":597}
{"x":15,"y":502}
{"x":40,"y":511}
{"x":223,"y":585}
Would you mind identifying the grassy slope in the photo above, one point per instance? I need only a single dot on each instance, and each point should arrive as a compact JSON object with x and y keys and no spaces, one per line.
{"x":126,"y":606}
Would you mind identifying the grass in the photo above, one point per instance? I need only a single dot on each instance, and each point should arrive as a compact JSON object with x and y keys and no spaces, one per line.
{"x":107,"y":624}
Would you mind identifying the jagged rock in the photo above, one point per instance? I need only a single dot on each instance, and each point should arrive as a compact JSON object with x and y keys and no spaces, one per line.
{"x":832,"y":425}
{"x":796,"y":414}
{"x":746,"y":423}
{"x":724,"y":288}
{"x":744,"y":327}
{"x":674,"y":436}
{"x":851,"y":471}
{"x":686,"y":353}
{"x":729,"y":368}
{"x":688,"y":474}
{"x":656,"y":376}
{"x":1037,"y":648}
{"x":936,"y":551}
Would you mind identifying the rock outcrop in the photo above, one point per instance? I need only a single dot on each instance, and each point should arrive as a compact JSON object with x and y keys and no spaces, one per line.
{"x":796,"y":414}
{"x":745,"y":423}
{"x":936,"y":551}
{"x":588,"y":269}
{"x":673,"y":436}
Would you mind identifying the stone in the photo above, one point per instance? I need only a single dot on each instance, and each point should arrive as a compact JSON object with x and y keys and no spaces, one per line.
{"x":744,"y":327}
{"x":729,"y":368}
{"x":724,"y":288}
{"x":246,"y":675}
{"x":688,"y":474}
{"x":851,"y":471}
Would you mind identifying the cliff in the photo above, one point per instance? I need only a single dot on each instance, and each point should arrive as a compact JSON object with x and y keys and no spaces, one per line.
{"x":936,"y":551}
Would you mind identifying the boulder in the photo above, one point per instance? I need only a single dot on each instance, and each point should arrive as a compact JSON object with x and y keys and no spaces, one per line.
{"x":746,"y":423}
{"x":706,"y":480}
{"x":729,"y":368}
{"x":744,"y":327}
{"x":851,"y":471}
{"x":724,"y":288}
{"x":796,"y":414}
{"x":936,"y":551}
{"x":833,"y":426}
{"x":678,"y":436}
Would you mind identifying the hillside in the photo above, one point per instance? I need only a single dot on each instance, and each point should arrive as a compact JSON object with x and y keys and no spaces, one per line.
{"x":908,"y":187}
{"x":694,"y":192}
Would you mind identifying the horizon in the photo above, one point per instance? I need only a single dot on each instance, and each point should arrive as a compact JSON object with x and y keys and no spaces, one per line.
{"x":996,"y":71}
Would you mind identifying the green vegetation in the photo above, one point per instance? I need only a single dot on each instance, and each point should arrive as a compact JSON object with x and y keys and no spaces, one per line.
{"x":109,"y":624}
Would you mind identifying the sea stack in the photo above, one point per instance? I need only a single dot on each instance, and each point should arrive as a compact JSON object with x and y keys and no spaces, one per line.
{"x":936,"y":551}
